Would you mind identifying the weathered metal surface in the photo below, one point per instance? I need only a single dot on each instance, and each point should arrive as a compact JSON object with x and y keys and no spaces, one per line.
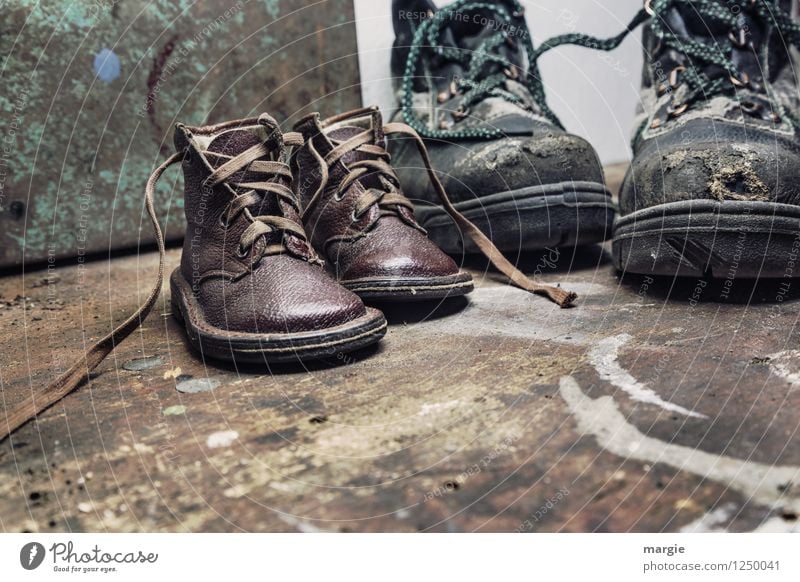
{"x":92,"y":88}
{"x":497,"y":413}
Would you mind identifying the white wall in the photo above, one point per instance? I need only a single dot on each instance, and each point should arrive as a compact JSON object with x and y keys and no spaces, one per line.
{"x":594,"y":93}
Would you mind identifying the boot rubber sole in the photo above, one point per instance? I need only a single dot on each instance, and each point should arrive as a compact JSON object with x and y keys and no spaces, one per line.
{"x":256,"y":348}
{"x":528,"y":219}
{"x":706,"y":238}
{"x":410,"y":289}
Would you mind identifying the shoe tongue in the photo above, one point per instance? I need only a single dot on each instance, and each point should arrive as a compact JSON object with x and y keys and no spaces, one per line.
{"x":349,"y":128}
{"x":468,"y":29}
{"x":685,"y":21}
{"x":357,"y":120}
{"x":232,"y":143}
{"x":343,"y":133}
{"x":691,"y":23}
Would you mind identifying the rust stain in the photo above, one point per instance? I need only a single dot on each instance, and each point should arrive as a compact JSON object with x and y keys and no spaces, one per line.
{"x":153,"y":79}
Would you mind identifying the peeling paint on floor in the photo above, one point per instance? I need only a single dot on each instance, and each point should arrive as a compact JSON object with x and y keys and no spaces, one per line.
{"x":221,"y":439}
{"x":196,"y":385}
{"x":713,"y":521}
{"x":455,"y":422}
{"x":779,"y":525}
{"x":786,"y":365}
{"x":770,"y":485}
{"x":178,"y":409}
{"x":301,"y":525}
{"x":604,"y":357}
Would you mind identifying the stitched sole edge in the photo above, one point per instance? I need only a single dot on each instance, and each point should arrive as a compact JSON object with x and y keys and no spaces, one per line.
{"x":217,"y":343}
{"x":407,"y":289}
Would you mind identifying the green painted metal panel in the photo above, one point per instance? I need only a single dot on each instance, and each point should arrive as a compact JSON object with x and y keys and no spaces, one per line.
{"x":92,"y":88}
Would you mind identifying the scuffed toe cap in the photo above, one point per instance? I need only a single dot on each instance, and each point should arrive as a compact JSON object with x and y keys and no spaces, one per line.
{"x":394,"y":251}
{"x":477,"y":169}
{"x":728,"y":165}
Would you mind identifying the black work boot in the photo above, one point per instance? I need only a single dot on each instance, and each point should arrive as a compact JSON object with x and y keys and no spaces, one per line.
{"x":713,"y":187}
{"x":505,"y":161}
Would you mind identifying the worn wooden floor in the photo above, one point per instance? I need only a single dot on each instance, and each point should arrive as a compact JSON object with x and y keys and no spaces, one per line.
{"x":652,"y":406}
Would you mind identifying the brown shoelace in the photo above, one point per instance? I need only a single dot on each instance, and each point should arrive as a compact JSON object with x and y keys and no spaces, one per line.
{"x":387,"y":199}
{"x":391,"y":197}
{"x":43,"y":398}
{"x":260,"y":224}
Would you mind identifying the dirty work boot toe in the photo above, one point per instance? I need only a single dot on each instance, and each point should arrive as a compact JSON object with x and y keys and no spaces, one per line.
{"x":505,"y":160}
{"x":250,"y":287}
{"x":711,"y":199}
{"x":521,"y":191}
{"x":712,"y":189}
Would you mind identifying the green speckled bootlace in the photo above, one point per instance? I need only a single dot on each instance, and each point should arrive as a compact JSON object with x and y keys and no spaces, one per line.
{"x":472,"y":87}
{"x":700,"y":55}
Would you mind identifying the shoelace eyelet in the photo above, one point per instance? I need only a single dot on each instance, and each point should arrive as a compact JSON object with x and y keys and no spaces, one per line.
{"x":742,"y":81}
{"x":674,"y":81}
{"x":240,"y":252}
{"x":461,"y":113}
{"x":751,"y":107}
{"x":677,"y":111}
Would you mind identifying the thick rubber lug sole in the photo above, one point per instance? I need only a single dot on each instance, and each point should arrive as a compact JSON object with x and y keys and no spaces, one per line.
{"x":409,"y":289}
{"x":254,"y":348}
{"x":706,"y":238}
{"x":529,"y":219}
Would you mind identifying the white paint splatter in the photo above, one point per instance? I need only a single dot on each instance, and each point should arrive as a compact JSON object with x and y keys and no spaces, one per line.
{"x":778,"y":525}
{"x":235,"y":492}
{"x":301,"y":524}
{"x":713,"y":520}
{"x":282,"y":487}
{"x":403,"y":513}
{"x":604,"y":358}
{"x":764,"y":484}
{"x":196,"y":385}
{"x":787,"y":366}
{"x":437,"y":407}
{"x":221,"y":439}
